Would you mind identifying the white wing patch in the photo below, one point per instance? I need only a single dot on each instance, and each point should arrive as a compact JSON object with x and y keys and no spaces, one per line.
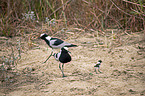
{"x":58,"y":55}
{"x":57,"y":46}
{"x":66,"y":48}
{"x":48,"y":38}
{"x":98,"y":63}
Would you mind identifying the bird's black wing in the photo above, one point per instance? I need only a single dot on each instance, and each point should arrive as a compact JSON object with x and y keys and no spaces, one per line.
{"x":97,"y":65}
{"x":57,"y":41}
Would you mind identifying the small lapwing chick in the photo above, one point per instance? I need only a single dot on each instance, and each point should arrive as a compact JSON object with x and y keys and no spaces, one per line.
{"x":97,"y":66}
{"x":55,"y":43}
{"x":63,"y":57}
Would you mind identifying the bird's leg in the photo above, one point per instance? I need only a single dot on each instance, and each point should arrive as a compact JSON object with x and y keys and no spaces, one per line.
{"x":99,"y":70}
{"x":49,"y":56}
{"x":61,"y":68}
{"x":95,"y":70}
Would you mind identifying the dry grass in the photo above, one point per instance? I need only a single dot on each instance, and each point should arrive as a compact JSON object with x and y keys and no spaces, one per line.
{"x":18,"y":16}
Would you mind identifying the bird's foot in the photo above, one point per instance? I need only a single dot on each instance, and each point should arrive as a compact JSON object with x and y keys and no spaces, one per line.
{"x":100,"y":71}
{"x":43,"y":62}
{"x":64,"y":76}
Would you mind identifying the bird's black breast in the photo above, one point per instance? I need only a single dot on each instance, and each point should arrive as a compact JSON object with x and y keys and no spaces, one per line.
{"x":64,"y":58}
{"x":57,"y":42}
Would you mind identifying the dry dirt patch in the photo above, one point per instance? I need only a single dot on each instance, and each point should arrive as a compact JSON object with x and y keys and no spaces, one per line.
{"x":122,"y":71}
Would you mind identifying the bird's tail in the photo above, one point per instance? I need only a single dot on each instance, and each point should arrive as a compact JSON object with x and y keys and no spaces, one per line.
{"x":71,"y":45}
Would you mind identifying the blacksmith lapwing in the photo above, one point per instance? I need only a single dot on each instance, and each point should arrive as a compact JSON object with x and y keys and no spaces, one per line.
{"x":63,"y":57}
{"x":97,"y":66}
{"x":55,"y":43}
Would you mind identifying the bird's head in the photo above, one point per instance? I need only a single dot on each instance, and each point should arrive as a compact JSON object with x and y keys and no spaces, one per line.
{"x":42,"y":36}
{"x":100,"y":61}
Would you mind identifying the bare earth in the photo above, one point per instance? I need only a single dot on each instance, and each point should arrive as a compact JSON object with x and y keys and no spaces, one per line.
{"x":123,"y":70}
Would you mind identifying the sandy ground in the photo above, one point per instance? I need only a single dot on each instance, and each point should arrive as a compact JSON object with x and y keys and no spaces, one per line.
{"x":123,"y":70}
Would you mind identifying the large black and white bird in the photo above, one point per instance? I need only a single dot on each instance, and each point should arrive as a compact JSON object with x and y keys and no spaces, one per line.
{"x":55,"y":43}
{"x":63,"y":57}
{"x":97,"y":66}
